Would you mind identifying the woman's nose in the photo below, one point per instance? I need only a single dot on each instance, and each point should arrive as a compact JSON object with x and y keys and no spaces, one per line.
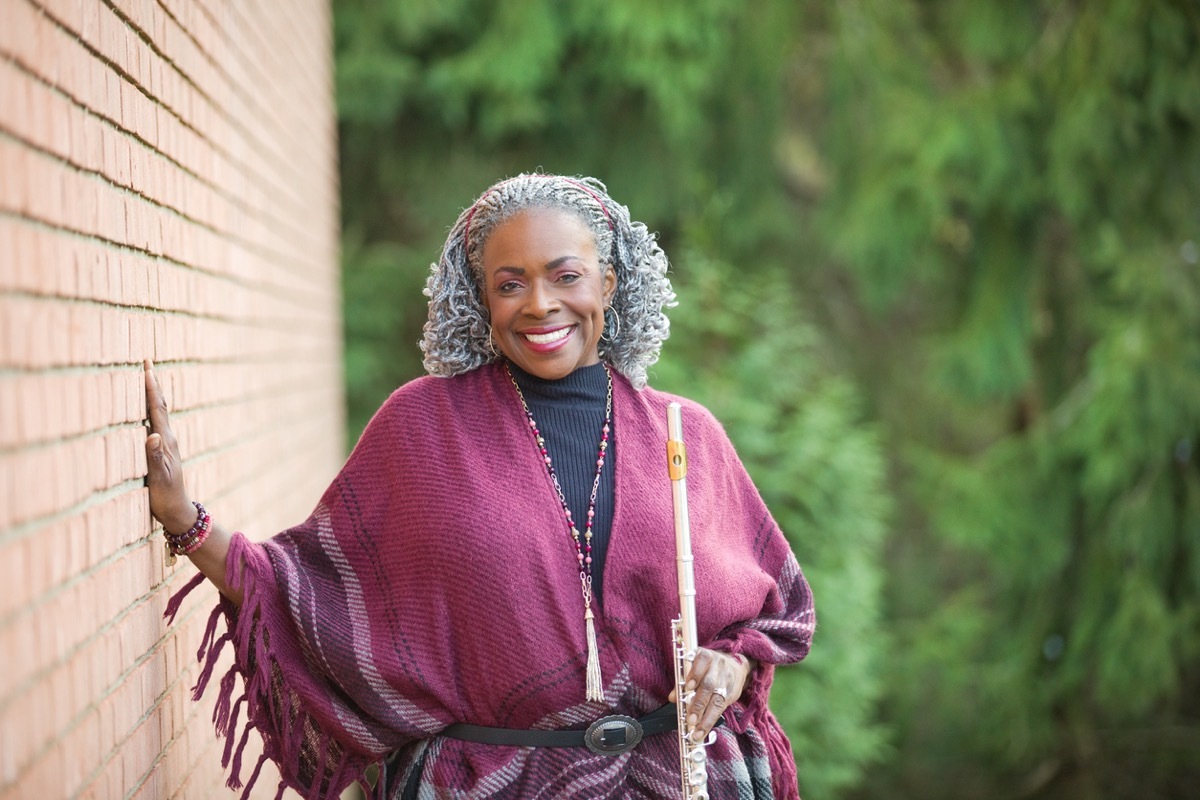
{"x":540,"y":300}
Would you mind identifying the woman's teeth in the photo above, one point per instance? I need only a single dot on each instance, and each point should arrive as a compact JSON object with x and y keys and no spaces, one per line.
{"x":547,"y":338}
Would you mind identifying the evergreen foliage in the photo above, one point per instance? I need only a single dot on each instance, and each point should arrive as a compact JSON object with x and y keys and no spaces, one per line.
{"x":1022,"y":209}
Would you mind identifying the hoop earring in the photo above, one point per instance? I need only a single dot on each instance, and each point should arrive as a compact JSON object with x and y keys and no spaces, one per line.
{"x":496,"y":354}
{"x":616,"y":318}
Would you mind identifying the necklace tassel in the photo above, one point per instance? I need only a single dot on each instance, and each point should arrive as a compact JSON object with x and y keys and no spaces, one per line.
{"x":595,"y":687}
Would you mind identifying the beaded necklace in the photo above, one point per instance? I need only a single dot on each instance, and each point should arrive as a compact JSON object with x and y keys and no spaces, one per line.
{"x":583,"y":543}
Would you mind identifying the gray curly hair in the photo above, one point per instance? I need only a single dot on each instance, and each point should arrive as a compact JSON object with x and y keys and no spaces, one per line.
{"x":458,"y":332}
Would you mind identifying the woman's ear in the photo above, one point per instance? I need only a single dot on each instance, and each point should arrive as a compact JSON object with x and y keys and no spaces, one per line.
{"x":610,"y":283}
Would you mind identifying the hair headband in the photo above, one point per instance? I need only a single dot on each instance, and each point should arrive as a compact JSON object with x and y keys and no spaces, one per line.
{"x":575,"y":183}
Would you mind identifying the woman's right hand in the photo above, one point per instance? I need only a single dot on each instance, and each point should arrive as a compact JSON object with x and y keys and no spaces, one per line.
{"x":169,"y":502}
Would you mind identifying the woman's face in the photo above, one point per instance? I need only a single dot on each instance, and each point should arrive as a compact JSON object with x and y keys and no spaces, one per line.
{"x":546,"y":291}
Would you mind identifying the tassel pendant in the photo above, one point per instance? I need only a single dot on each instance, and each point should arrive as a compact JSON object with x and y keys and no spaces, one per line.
{"x":595,"y":687}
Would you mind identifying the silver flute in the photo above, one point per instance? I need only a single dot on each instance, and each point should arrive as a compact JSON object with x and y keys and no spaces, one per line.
{"x":693,"y":766}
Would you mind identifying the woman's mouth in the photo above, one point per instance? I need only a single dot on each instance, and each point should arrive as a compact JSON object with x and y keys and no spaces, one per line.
{"x":547,"y":339}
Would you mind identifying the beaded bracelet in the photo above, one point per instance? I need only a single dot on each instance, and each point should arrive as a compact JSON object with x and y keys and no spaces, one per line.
{"x":184,"y":544}
{"x":197,"y":526}
{"x":192,"y":541}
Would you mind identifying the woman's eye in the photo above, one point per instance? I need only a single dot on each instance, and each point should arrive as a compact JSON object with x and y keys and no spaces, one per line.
{"x":509,"y":286}
{"x":568,"y":277}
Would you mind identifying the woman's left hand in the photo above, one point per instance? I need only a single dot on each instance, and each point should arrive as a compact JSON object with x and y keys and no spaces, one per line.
{"x":718,"y":680}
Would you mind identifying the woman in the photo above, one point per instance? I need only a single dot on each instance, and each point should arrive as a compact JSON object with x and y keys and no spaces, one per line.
{"x":496,"y":559}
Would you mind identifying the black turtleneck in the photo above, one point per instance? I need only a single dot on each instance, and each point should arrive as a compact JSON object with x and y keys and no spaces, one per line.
{"x":570,"y":413}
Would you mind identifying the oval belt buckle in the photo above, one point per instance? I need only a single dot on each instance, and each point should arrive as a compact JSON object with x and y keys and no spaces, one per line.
{"x":612,"y":736}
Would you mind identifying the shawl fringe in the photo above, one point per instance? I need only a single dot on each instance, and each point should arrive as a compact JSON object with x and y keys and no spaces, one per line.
{"x":283,"y":728}
{"x":784,"y":781}
{"x":177,"y":599}
{"x":752,"y":710}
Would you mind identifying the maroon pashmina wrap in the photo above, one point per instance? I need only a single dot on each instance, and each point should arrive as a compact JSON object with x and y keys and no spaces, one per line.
{"x":435,"y":582}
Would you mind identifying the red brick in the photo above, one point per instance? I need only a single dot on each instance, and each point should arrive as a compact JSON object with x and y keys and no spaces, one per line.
{"x":18,"y":242}
{"x":112,"y":256}
{"x":84,"y":335}
{"x":67,"y":12}
{"x":16,"y":585}
{"x":45,"y":201}
{"x":23,"y":24}
{"x":20,"y":637}
{"x":88,"y":576}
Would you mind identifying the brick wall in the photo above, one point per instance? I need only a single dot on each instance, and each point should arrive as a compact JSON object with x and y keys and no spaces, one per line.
{"x":168,"y":191}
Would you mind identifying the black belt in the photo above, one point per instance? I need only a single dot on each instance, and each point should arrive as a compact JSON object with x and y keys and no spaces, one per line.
{"x":608,"y":736}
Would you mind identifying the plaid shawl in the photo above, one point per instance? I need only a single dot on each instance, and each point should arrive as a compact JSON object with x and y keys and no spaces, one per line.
{"x":435,"y":583}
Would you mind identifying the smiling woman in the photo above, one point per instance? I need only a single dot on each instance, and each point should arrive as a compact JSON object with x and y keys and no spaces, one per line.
{"x":458,"y":335}
{"x":481,"y":602}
